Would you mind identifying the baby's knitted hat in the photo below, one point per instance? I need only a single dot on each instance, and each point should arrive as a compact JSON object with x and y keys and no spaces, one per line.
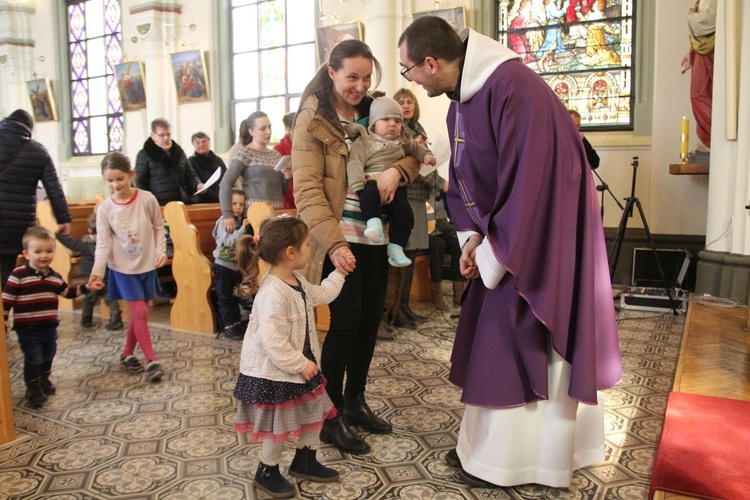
{"x":384,"y":107}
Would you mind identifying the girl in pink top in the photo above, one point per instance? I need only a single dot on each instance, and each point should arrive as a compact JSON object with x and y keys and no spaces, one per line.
{"x":131,"y":242}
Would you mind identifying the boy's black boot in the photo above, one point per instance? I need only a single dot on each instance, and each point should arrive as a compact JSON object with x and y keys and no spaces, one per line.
{"x":35,"y":395}
{"x":269,"y":480}
{"x":306,"y":466}
{"x":47,"y":387}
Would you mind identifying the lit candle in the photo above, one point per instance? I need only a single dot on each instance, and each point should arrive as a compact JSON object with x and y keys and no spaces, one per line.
{"x":684,"y":135}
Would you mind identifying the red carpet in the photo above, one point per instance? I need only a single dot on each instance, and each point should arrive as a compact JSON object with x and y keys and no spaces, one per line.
{"x":704,"y":448}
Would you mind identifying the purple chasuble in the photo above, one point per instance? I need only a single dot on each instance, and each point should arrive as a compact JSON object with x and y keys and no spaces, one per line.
{"x":519,"y":176}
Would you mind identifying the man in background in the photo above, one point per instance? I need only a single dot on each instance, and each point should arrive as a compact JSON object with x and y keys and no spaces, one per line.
{"x":591,"y":154}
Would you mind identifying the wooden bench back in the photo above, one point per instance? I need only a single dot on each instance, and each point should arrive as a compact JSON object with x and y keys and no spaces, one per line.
{"x":64,"y":262}
{"x":190,"y":228}
{"x":203,"y":217}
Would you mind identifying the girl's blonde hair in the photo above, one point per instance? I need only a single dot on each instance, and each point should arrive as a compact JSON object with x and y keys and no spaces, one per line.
{"x":116,"y":161}
{"x":276,"y":235}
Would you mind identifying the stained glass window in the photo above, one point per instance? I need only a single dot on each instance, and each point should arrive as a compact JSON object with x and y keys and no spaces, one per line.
{"x":582,"y":48}
{"x":95,"y":47}
{"x":273,"y":57}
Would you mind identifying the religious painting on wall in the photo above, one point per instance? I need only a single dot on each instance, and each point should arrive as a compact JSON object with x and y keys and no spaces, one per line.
{"x":582,"y":48}
{"x":189,"y":70}
{"x":131,"y":84}
{"x":456,"y":17}
{"x":328,"y":36}
{"x":42,"y":100}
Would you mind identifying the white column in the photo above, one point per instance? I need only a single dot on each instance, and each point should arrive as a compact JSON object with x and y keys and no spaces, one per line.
{"x":16,"y":55}
{"x":158,"y":31}
{"x":384,"y":22}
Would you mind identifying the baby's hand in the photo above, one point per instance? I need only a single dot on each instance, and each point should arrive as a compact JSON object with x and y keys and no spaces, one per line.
{"x":430,"y":160}
{"x":311,"y":369}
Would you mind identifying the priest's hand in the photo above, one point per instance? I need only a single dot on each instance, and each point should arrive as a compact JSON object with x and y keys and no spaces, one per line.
{"x":467,"y":263}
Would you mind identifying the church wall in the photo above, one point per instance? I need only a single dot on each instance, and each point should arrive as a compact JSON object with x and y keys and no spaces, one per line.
{"x":664,"y":197}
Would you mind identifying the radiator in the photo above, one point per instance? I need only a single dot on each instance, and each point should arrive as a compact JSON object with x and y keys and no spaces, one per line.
{"x":85,"y":188}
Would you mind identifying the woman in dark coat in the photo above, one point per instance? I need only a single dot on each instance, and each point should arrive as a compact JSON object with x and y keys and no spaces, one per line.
{"x":23,"y":163}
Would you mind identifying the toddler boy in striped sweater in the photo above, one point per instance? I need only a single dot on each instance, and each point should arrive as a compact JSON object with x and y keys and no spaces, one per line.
{"x":31,"y":292}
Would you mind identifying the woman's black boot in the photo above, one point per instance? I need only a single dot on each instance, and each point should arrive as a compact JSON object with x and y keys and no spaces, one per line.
{"x":406,"y":291}
{"x":340,"y":434}
{"x":362,"y":416}
{"x":269,"y":480}
{"x":401,"y":320}
{"x":306,"y":466}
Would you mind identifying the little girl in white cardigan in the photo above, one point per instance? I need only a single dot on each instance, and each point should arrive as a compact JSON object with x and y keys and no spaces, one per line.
{"x":280,"y":391}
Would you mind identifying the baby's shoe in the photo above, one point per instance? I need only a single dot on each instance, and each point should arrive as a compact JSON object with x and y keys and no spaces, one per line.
{"x":396,"y":256}
{"x":374,"y":231}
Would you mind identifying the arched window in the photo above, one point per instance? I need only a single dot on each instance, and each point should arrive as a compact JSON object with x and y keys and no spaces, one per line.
{"x":582,"y":48}
{"x":94,"y":47}
{"x":273,"y":57}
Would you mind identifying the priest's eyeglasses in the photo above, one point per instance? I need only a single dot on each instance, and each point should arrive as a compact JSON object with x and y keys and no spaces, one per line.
{"x":405,"y":71}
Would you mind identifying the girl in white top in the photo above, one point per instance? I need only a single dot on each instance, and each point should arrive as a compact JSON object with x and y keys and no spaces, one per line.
{"x":280,"y":391}
{"x":130,"y":241}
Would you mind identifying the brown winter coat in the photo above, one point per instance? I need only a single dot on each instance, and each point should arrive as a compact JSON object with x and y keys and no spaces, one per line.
{"x":319,"y":155}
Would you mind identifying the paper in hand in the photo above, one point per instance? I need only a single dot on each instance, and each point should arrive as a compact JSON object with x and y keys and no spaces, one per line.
{"x":284,"y":163}
{"x":211,"y":181}
{"x":441,"y":150}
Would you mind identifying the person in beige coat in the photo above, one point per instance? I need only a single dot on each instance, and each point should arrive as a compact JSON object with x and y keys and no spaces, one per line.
{"x":337,"y":96}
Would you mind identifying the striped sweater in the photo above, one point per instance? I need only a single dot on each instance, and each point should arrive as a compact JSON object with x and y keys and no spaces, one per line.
{"x":33,"y":295}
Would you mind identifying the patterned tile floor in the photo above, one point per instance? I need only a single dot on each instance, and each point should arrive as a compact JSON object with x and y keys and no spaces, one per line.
{"x":110,"y":434}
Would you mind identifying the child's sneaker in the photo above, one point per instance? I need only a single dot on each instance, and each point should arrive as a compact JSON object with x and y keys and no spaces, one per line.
{"x":154,"y":371}
{"x":131,"y":363}
{"x":396,"y":256}
{"x":374,"y":231}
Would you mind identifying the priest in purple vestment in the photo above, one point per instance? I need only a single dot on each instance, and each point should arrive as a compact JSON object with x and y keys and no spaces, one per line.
{"x":537,"y":337}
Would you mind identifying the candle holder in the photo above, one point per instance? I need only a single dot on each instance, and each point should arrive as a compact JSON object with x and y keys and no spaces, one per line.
{"x":683,"y":158}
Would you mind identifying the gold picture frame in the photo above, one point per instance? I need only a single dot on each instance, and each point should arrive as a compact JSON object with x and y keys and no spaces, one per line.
{"x":326,"y":37}
{"x":190,"y":78}
{"x":456,"y":16}
{"x":42,"y":100}
{"x":131,"y":83}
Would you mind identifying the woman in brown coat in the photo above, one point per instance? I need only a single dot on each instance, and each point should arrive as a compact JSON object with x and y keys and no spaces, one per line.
{"x":337,"y":95}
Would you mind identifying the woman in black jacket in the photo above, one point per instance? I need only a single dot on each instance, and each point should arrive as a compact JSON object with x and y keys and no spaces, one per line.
{"x":161,"y":167}
{"x":23,"y":163}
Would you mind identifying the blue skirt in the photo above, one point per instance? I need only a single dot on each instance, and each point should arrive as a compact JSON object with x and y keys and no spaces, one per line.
{"x":132,"y":286}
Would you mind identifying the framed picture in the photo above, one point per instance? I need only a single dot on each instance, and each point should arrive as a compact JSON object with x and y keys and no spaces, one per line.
{"x":328,"y":36}
{"x":42,"y":100}
{"x":132,"y":87}
{"x":456,"y":16}
{"x":189,"y":70}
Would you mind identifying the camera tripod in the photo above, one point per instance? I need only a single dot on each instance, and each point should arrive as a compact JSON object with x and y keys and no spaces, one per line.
{"x":627,"y":212}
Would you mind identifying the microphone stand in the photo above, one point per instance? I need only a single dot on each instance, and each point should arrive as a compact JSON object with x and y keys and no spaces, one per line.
{"x":605,"y":187}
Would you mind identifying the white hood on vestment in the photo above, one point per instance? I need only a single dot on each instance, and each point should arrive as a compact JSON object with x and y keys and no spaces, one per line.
{"x":483,"y":56}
